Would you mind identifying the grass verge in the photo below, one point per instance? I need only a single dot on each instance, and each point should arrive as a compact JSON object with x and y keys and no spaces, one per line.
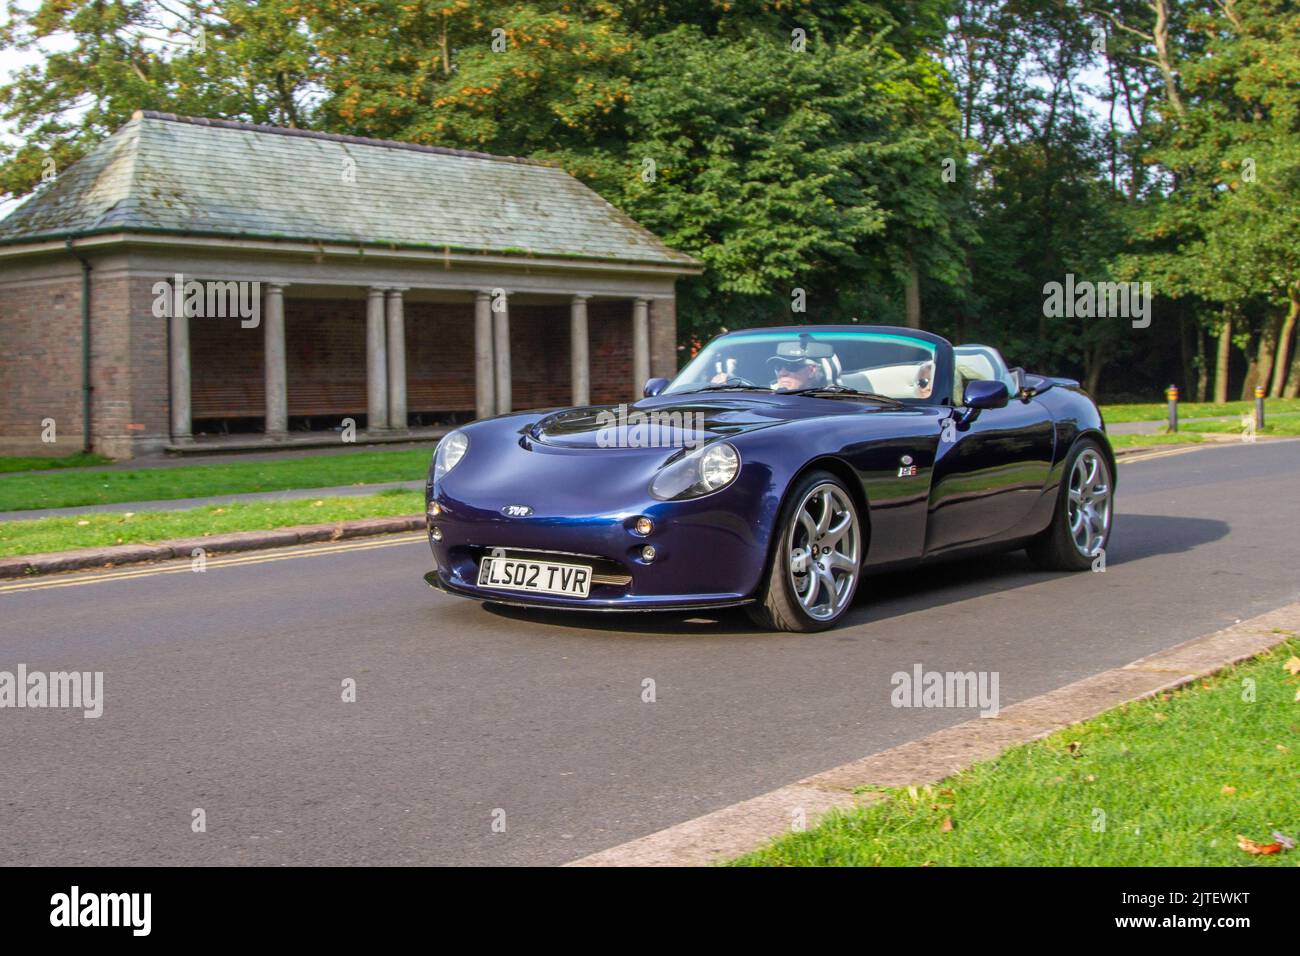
{"x":73,"y":489}
{"x":1159,"y":411}
{"x":79,"y":460}
{"x":1171,"y":781}
{"x":145,"y":527}
{"x":1141,"y":441}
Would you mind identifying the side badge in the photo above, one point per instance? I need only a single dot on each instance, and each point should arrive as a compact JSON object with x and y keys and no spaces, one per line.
{"x":906,"y":469}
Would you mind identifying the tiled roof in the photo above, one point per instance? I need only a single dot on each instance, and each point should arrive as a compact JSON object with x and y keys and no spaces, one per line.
{"x":171,"y":174}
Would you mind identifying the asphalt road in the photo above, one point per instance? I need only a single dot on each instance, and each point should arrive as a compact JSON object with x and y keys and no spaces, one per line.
{"x":223,"y":689}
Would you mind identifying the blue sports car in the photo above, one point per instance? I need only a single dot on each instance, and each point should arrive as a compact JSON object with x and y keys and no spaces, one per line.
{"x":778,"y":468}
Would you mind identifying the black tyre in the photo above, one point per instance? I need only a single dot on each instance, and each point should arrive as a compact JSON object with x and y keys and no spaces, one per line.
{"x":816,"y":560}
{"x":1080,"y":528}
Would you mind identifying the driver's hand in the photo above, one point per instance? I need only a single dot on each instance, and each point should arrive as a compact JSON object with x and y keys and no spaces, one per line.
{"x":719,"y":379}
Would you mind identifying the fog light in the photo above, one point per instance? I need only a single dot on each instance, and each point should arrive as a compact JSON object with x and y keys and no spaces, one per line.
{"x":644,"y":526}
{"x":648,"y":553}
{"x":436,"y":534}
{"x":435,"y":509}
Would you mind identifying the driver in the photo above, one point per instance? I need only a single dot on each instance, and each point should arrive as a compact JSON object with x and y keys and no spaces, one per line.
{"x":794,"y":373}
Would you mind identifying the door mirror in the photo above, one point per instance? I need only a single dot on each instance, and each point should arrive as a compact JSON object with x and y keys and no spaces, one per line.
{"x":654,"y":386}
{"x":985,"y":394}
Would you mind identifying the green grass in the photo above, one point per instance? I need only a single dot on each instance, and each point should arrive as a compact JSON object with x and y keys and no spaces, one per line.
{"x":1159,"y":411}
{"x":78,"y":460}
{"x":1282,"y":425}
{"x":1178,"y":778}
{"x":1141,"y":441}
{"x":72,"y":489}
{"x":98,"y":530}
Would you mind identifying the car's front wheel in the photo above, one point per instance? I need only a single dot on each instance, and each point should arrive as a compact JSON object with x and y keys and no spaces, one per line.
{"x":816,"y":561}
{"x":1080,"y":528}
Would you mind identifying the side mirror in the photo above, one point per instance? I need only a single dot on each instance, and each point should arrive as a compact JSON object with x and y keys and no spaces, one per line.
{"x":985,"y":394}
{"x":656,"y":385}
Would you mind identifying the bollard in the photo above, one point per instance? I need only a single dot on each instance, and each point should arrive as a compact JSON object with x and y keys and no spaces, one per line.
{"x":1259,"y":408}
{"x":1171,"y":393}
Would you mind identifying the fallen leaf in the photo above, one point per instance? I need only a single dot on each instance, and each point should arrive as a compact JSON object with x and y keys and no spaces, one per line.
{"x":946,"y":826}
{"x":1161,"y":716}
{"x":1228,"y":791}
{"x":1257,"y":849}
{"x":1073,"y":746}
{"x":1284,"y":748}
{"x":317,"y":504}
{"x":82,"y":524}
{"x":1292,"y":666}
{"x":947,"y":793}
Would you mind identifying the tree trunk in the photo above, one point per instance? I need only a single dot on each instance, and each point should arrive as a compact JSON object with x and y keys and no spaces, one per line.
{"x":1221,"y":360}
{"x":1252,"y":367}
{"x":1284,"y":345}
{"x":1264,"y":356}
{"x":1202,"y":366}
{"x":1185,"y":353}
{"x":1092,"y":375}
{"x":912,"y":294}
{"x":1292,"y":389}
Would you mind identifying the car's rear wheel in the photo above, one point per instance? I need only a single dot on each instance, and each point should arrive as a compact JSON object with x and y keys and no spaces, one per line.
{"x":817,"y":559}
{"x":1080,"y":528}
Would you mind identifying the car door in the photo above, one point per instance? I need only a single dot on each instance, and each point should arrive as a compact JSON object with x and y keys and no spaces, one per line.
{"x":988,"y":474}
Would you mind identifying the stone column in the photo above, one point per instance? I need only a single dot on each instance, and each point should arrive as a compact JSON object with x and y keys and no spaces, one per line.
{"x":485,"y":393}
{"x":501,"y":349}
{"x":277,"y":394}
{"x":178,"y":350}
{"x":376,"y":361}
{"x":396,"y":361}
{"x":640,"y":344}
{"x":579,"y":351}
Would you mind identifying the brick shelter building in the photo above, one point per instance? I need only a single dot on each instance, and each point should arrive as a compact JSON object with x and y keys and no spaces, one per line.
{"x":193,"y":278}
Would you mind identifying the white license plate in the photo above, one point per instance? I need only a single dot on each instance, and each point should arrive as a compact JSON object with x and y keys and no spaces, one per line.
{"x":541,"y":577}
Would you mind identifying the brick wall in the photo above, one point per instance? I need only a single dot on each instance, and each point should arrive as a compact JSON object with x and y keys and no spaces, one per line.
{"x":663,"y":338}
{"x":40,"y":361}
{"x":227,"y":370}
{"x":439,"y":356}
{"x":40,"y":365}
{"x":609,"y":330}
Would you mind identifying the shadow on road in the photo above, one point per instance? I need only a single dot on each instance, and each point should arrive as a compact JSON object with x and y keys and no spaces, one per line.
{"x":883,"y":596}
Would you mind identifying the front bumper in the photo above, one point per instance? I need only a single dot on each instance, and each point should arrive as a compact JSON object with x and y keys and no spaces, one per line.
{"x":709,"y":552}
{"x":437,"y":581}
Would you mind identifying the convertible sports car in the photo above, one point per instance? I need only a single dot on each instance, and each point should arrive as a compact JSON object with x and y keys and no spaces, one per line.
{"x":776,"y":470}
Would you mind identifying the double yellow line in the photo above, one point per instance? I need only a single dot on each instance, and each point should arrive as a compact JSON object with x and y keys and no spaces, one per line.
{"x":184,"y":565}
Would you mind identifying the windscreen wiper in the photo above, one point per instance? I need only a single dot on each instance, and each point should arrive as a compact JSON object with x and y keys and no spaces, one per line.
{"x":726,"y":386}
{"x":846,"y":392}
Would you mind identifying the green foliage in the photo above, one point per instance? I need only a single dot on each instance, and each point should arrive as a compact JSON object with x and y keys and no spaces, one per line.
{"x":843,"y":149}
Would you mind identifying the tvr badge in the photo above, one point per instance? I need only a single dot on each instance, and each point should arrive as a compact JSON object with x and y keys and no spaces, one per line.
{"x":516,"y":511}
{"x":905,"y":468}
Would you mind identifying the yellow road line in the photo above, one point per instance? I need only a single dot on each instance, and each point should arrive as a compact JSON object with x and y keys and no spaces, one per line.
{"x":183,"y":565}
{"x":1163,"y":453}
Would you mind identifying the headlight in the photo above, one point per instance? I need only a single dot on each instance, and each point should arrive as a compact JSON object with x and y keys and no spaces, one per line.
{"x":702,"y":472}
{"x":450,"y":451}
